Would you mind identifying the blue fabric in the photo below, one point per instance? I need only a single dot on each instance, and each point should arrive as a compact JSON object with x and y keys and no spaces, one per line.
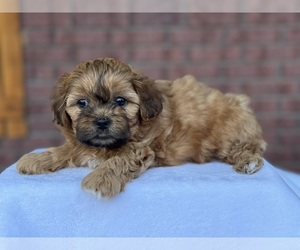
{"x":192,"y":200}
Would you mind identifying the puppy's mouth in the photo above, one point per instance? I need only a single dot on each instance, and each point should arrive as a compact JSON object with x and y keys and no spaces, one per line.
{"x":102,"y":140}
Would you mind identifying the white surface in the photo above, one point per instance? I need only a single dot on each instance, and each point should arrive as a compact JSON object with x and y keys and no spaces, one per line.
{"x":207,"y":200}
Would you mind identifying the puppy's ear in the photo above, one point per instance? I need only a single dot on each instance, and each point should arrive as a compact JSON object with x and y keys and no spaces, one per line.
{"x":58,"y":102}
{"x":151,"y":98}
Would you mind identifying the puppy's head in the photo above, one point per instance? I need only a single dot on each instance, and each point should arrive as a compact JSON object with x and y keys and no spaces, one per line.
{"x":103,"y":102}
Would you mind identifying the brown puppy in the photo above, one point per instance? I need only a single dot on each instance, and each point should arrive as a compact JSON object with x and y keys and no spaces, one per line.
{"x":120,"y":123}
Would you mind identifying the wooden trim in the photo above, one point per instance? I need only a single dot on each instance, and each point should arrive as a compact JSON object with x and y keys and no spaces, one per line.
{"x":12,"y":122}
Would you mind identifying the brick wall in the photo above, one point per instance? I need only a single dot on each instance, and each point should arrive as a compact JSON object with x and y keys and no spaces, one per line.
{"x":256,"y":54}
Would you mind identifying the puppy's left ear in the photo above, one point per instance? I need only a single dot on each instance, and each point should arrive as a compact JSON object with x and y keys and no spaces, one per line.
{"x":151,"y":98}
{"x":58,"y":102}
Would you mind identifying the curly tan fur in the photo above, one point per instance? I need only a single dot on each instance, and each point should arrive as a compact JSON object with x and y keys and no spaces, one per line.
{"x":161,"y":123}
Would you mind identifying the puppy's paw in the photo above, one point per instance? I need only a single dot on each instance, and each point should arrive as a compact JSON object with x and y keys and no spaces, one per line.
{"x":102,"y":183}
{"x":36,"y":163}
{"x":250,"y":167}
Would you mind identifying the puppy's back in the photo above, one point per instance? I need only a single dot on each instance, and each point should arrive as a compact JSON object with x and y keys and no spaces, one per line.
{"x":205,"y":121}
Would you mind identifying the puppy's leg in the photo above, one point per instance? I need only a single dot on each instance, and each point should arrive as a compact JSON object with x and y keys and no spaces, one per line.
{"x":45,"y":162}
{"x":111,"y":177}
{"x":246,"y":157}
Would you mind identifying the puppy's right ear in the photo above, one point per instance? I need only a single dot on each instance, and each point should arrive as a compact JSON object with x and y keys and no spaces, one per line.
{"x":151,"y":99}
{"x":58,"y":102}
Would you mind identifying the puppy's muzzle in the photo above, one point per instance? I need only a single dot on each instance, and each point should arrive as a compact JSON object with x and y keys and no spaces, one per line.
{"x":103,"y":122}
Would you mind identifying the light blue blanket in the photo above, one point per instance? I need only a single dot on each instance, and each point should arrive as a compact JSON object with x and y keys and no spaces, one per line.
{"x":192,"y":200}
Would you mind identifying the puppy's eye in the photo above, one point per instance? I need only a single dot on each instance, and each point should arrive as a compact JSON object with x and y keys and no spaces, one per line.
{"x":82,"y":103}
{"x":120,"y":101}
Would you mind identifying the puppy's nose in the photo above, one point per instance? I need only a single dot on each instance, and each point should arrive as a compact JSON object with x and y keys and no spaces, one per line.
{"x":103,"y":122}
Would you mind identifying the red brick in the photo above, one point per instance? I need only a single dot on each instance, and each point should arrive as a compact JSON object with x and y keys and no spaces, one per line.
{"x":269,"y":137}
{"x":101,"y":19}
{"x":209,"y":19}
{"x":264,"y":105}
{"x":40,"y":108}
{"x":262,"y":87}
{"x":271,"y":52}
{"x":41,"y":125}
{"x":255,"y":53}
{"x":292,"y":105}
{"x":39,"y":71}
{"x":291,"y":69}
{"x":35,"y":19}
{"x":153,"y":53}
{"x":251,"y":70}
{"x":153,"y":72}
{"x":156,"y":53}
{"x":90,"y":53}
{"x":37,"y":37}
{"x":210,"y":54}
{"x":42,"y":142}
{"x":231,"y":53}
{"x":161,"y":19}
{"x":283,"y":52}
{"x":175,"y":55}
{"x":282,"y":154}
{"x":196,"y":36}
{"x":201,"y":72}
{"x":138,"y":36}
{"x":174,"y":72}
{"x":6,"y":160}
{"x":271,"y":18}
{"x":91,"y":37}
{"x":60,"y":69}
{"x":63,"y":37}
{"x":224,"y":87}
{"x":290,"y":139}
{"x":81,"y":37}
{"x":213,"y":54}
{"x":292,"y":35}
{"x":290,"y":166}
{"x":252,"y":35}
{"x":61,"y":20}
{"x":46,"y":55}
{"x":278,"y":122}
{"x":37,"y":92}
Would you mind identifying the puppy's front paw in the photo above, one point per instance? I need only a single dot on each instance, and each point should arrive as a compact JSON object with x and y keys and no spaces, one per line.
{"x":103,"y":183}
{"x":250,"y":167}
{"x":36,"y":163}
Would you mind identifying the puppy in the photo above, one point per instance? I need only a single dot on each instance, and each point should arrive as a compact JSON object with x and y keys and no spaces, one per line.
{"x":120,"y":123}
